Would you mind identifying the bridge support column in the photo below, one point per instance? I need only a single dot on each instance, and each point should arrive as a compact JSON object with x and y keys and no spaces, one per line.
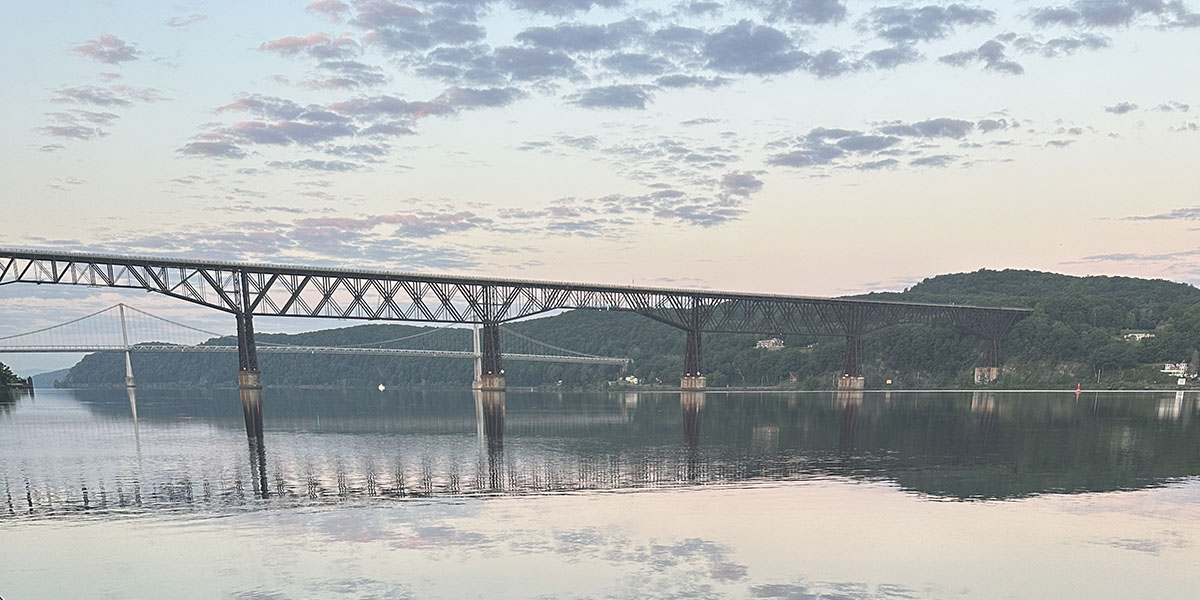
{"x":851,"y":377}
{"x":693,"y":363}
{"x":989,"y":362}
{"x":249,"y":377}
{"x":490,"y":376}
{"x":125,"y":338}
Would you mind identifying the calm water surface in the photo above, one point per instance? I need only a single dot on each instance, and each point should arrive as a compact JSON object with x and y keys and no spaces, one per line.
{"x":522,"y":495}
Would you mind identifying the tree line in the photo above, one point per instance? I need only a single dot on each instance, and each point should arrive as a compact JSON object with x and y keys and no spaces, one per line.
{"x":1075,"y":334}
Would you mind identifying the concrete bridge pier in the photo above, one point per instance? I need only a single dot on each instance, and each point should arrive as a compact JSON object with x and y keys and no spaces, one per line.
{"x":125,"y":338}
{"x":489,"y":369}
{"x":851,"y":376}
{"x":693,"y":364}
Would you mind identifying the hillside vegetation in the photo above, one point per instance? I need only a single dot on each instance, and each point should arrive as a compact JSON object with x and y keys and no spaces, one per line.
{"x":1075,"y":335}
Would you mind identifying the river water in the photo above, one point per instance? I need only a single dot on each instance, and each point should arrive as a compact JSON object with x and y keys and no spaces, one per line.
{"x":411,"y":494}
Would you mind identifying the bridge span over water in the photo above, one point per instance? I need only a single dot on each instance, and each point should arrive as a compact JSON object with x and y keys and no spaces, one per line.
{"x":246,"y":290}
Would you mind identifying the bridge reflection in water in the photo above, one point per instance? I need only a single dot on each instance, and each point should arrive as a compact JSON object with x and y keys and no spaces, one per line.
{"x":70,"y":451}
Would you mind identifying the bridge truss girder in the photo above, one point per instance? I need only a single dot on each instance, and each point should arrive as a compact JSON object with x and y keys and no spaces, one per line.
{"x":249,"y":290}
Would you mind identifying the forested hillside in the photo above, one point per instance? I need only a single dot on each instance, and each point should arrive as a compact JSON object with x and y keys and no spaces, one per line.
{"x":1074,"y":335}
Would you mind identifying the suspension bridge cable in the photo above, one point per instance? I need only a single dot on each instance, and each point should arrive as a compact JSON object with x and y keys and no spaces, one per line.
{"x":551,"y":346}
{"x":165,"y":320}
{"x":7,"y":337}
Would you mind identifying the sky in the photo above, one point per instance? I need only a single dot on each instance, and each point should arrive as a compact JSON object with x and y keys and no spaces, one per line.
{"x":812,"y":147}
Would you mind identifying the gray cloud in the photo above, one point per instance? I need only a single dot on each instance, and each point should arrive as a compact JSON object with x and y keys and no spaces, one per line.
{"x":924,"y":143}
{"x":1117,"y":13}
{"x":932,"y":128}
{"x":901,"y":25}
{"x":1121,"y":108}
{"x":480,"y":97}
{"x":562,"y":8}
{"x":1173,"y":106}
{"x":811,"y":12}
{"x":747,"y":48}
{"x":686,"y":81}
{"x":578,"y":37}
{"x":937,"y":160}
{"x":1061,"y":46}
{"x":108,"y":49}
{"x":740,"y":183}
{"x":346,"y":74}
{"x":333,"y":166}
{"x":808,"y":157}
{"x":213,"y":149}
{"x":634,"y":65}
{"x":867,"y":143}
{"x":993,"y":55}
{"x":108,"y":96}
{"x":1191,"y":213}
{"x":77,"y":124}
{"x":530,"y":64}
{"x":614,"y":96}
{"x":890,"y":58}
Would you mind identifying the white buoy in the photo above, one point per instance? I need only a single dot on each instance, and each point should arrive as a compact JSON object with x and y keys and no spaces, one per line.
{"x":382,"y":387}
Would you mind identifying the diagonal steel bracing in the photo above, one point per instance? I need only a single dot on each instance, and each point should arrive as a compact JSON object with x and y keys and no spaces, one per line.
{"x":271,"y":290}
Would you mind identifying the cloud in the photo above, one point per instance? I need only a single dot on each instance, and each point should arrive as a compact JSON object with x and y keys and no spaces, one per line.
{"x":867,"y":143}
{"x":752,"y":49}
{"x":993,"y":55}
{"x":108,"y":49}
{"x":77,"y":124}
{"x":932,"y":128}
{"x":283,"y":122}
{"x":1121,"y":108}
{"x":809,"y":12}
{"x":807,"y":157}
{"x":346,"y":74}
{"x":332,"y":10}
{"x":740,"y":183}
{"x":937,"y":160}
{"x":614,"y":96}
{"x":1062,"y":46}
{"x":332,"y":166}
{"x":902,"y":25}
{"x":1116,"y":13}
{"x":480,"y":97}
{"x":184,"y":21}
{"x":890,"y":58}
{"x":562,"y":8}
{"x":531,"y":64}
{"x":213,"y":149}
{"x":317,"y":45}
{"x":634,"y":65}
{"x":920,"y":143}
{"x":686,"y":81}
{"x":579,"y":37}
{"x":1173,"y":106}
{"x":107,"y":96}
{"x":1191,"y":213}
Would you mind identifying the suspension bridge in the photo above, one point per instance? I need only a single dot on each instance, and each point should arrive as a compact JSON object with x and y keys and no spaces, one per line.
{"x":124,"y":328}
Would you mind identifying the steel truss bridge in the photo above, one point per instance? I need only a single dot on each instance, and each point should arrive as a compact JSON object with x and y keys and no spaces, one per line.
{"x":246,"y":290}
{"x":123,"y":328}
